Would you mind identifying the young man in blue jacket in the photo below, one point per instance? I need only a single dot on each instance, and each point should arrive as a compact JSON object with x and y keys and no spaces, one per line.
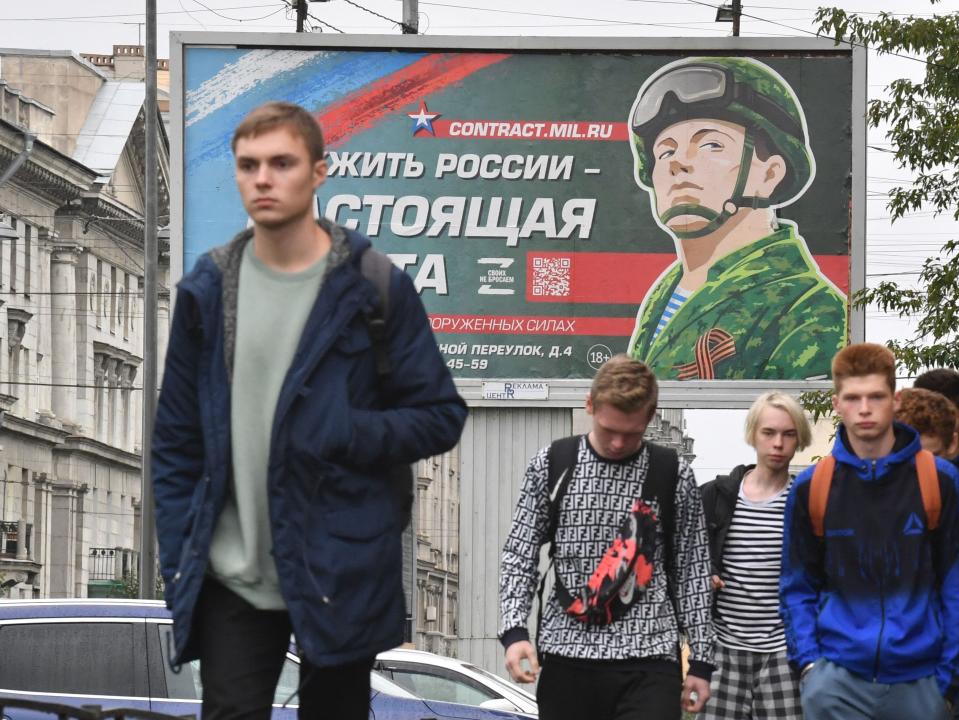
{"x":870,"y":599}
{"x":275,"y":437}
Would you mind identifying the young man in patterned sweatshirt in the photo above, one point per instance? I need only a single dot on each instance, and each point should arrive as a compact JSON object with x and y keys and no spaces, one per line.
{"x":744,"y":513}
{"x":627,"y":668}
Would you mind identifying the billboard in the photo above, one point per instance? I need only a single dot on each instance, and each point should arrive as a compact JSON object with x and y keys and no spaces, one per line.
{"x":557,"y":205}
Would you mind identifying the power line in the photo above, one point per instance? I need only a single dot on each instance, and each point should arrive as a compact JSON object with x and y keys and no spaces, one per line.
{"x":816,"y":34}
{"x":131,"y":14}
{"x":227,"y":17}
{"x":15,"y":384}
{"x":606,"y":21}
{"x":373,"y":12}
{"x":322,"y":22}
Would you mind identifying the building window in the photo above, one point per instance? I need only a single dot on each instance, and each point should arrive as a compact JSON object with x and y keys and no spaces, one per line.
{"x":121,"y":308}
{"x":105,"y":296}
{"x":13,"y":224}
{"x":132,"y":284}
{"x":27,"y":258}
{"x":13,"y":260}
{"x":16,"y":329}
{"x":113,"y":299}
{"x":10,"y":538}
{"x":99,"y":277}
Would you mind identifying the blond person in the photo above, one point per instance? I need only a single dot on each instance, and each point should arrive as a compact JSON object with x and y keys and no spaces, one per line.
{"x":744,"y":513}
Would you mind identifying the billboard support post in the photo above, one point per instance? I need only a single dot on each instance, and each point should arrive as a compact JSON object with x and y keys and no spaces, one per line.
{"x":411,"y":23}
{"x":148,"y":523}
{"x":300,"y":14}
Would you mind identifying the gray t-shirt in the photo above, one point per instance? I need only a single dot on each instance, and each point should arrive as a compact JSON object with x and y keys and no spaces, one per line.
{"x":272,"y":309}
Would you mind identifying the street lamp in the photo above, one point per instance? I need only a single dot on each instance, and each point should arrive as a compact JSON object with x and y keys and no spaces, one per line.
{"x":730,"y":12}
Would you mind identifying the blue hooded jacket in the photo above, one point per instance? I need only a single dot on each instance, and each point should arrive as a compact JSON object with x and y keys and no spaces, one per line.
{"x":337,"y":430}
{"x":879,"y":593}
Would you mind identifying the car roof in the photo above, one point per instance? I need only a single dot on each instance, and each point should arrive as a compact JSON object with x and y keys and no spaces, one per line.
{"x":412,"y":655}
{"x":82,"y":607}
{"x":401,"y":654}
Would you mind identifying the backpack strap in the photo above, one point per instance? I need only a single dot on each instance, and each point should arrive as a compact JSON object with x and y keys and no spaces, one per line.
{"x":377,"y":267}
{"x":929,"y":487}
{"x":660,"y":485}
{"x":819,"y":493}
{"x":717,"y":509}
{"x":561,"y":464}
{"x":560,"y":467}
{"x":662,"y":475}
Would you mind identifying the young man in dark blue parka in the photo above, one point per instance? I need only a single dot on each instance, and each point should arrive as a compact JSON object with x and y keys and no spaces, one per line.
{"x":275,"y":437}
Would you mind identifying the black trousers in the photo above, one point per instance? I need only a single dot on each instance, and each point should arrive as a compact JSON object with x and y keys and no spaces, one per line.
{"x":242,"y":651}
{"x":597,"y":690}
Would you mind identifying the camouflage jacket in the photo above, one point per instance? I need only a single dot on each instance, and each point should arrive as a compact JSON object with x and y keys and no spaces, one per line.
{"x":765,"y":312}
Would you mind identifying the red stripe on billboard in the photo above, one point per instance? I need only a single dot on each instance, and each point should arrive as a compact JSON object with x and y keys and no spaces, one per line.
{"x":362,"y":109}
{"x":836,"y":268}
{"x":590,"y":277}
{"x":613,"y":278}
{"x":532,"y":325}
{"x":527,"y":130}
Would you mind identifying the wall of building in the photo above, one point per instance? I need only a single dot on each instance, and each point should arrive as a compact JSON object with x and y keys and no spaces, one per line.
{"x":71,"y":318}
{"x":438,"y":551}
{"x":61,"y":81}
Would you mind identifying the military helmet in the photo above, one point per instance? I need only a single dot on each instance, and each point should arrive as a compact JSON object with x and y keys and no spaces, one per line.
{"x":739,"y":90}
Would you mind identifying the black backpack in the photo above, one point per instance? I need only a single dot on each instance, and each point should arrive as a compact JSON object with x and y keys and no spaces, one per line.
{"x":377,"y":267}
{"x":662,"y":477}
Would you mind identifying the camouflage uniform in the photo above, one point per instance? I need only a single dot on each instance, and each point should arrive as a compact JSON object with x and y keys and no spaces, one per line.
{"x":765,"y":312}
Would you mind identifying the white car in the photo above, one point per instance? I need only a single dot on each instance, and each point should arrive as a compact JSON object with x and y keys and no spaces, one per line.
{"x":434,"y":677}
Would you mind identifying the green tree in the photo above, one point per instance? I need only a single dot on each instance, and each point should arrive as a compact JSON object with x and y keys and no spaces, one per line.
{"x":922,"y":124}
{"x":130,"y":586}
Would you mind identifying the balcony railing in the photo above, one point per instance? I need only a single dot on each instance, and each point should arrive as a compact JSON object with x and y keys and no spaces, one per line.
{"x":112,"y":563}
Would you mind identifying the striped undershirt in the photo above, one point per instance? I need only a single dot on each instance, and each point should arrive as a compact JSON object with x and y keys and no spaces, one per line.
{"x":747,"y":607}
{"x":675,"y":301}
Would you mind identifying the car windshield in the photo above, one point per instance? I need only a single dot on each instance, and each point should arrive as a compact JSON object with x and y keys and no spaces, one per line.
{"x":378,"y":683}
{"x":498,"y":681}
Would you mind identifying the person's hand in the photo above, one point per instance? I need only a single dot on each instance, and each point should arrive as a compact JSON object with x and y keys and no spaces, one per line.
{"x":695,"y":694}
{"x":515,"y":655}
{"x":718,"y":583}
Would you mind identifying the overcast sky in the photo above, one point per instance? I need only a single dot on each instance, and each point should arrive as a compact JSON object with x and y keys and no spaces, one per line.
{"x":96,"y":25}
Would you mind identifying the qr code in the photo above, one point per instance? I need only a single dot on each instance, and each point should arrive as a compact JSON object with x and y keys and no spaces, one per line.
{"x":551,"y":276}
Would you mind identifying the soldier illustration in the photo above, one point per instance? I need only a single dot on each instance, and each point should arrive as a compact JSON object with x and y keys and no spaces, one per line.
{"x":719,"y":144}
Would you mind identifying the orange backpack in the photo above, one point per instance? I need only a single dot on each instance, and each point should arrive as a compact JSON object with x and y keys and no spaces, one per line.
{"x":822,"y":481}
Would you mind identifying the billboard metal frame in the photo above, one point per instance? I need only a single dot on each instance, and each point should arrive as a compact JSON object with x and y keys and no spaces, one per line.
{"x":564,"y":393}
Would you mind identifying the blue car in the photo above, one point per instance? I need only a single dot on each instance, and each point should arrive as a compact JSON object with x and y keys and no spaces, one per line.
{"x":115,"y":654}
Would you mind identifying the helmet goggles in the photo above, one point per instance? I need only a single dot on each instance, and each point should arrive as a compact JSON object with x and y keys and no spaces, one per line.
{"x":710,"y":85}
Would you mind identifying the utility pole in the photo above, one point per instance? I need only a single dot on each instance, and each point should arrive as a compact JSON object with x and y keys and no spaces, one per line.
{"x":300,"y":14}
{"x":411,"y":17}
{"x":148,"y":540}
{"x":737,"y":13}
